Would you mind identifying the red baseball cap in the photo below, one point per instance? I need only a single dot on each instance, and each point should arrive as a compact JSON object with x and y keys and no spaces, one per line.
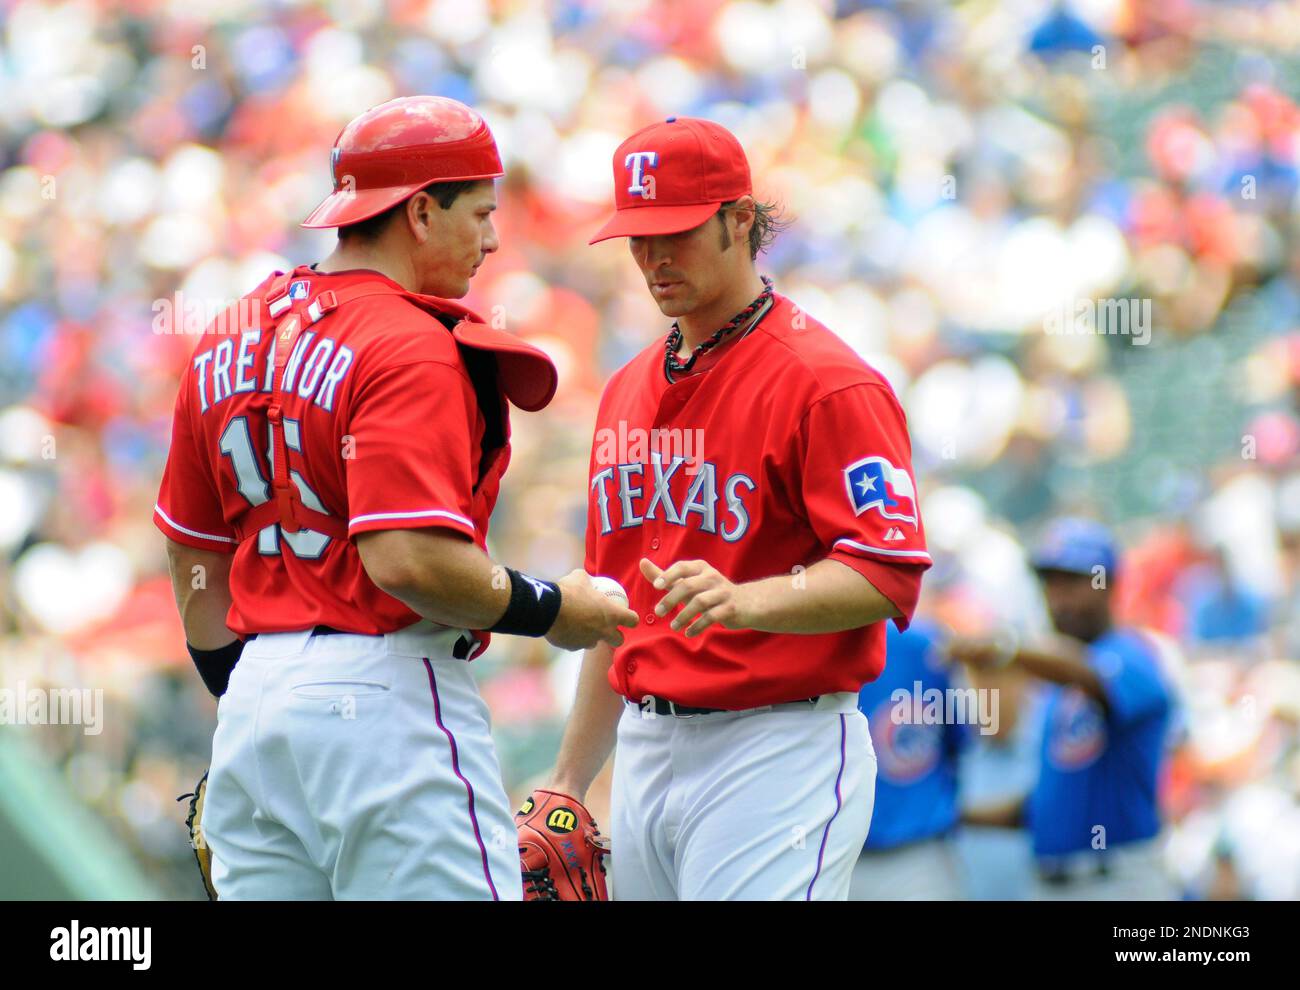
{"x":673,"y":176}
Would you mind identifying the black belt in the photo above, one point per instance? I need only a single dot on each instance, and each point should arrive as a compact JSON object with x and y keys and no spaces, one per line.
{"x":662,"y":706}
{"x":318,"y":631}
{"x":460,"y":651}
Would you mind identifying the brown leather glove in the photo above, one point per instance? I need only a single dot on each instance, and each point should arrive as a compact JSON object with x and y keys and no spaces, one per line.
{"x":194,"y":822}
{"x":561,"y":852}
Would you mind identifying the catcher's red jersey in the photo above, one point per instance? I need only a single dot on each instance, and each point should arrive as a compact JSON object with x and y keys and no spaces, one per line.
{"x":383,"y":430}
{"x":785,"y":450}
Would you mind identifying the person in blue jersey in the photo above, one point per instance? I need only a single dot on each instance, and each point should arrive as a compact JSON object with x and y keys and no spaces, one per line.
{"x":1093,"y":814}
{"x":908,"y":854}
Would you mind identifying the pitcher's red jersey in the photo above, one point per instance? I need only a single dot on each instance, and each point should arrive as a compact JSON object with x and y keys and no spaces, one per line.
{"x":785,"y":450}
{"x":383,"y":429}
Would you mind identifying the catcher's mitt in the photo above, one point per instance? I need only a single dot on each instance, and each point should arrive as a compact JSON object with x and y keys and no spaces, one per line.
{"x":561,"y":851}
{"x":194,"y":822}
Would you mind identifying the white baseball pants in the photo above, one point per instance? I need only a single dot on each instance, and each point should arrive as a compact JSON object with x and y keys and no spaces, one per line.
{"x":357,"y":767}
{"x":767,"y":804}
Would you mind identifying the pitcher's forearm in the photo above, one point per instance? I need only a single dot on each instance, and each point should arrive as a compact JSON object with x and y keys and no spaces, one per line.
{"x":828,"y":597}
{"x":592,"y":728}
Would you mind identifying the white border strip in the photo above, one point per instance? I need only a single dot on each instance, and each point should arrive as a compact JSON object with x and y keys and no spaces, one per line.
{"x":190,"y":532}
{"x":423,"y":514}
{"x":889,"y":553}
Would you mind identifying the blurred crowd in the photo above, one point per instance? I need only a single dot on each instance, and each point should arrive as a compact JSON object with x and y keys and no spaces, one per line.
{"x":959,"y":175}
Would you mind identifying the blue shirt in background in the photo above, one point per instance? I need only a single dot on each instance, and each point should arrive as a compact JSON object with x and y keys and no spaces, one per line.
{"x":916,"y":764}
{"x":1101,"y":768}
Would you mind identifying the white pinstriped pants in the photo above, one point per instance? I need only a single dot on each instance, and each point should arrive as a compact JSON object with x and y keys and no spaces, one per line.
{"x":357,"y":768}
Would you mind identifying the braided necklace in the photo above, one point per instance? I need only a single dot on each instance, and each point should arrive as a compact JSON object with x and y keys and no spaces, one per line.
{"x":674,"y":365}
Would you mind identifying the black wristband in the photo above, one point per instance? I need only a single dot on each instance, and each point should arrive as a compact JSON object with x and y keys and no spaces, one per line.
{"x":533,"y":606}
{"x":215,"y":665}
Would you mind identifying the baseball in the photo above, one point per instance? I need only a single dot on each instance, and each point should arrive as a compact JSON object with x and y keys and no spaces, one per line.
{"x":609,"y":587}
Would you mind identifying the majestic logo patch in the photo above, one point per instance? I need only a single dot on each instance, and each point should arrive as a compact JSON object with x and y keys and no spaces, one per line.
{"x":637,"y":162}
{"x":875,"y":483}
{"x":562,"y":820}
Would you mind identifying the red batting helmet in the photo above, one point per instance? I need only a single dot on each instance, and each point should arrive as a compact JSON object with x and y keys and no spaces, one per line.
{"x":396,"y":149}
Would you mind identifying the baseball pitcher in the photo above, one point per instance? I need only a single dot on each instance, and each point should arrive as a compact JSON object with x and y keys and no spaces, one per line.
{"x":751,"y":489}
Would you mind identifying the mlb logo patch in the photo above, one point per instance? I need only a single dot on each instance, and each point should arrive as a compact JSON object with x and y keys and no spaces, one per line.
{"x":875,"y":483}
{"x":299,"y":289}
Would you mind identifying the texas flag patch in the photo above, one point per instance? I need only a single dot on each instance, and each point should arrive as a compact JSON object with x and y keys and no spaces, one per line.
{"x":875,"y":483}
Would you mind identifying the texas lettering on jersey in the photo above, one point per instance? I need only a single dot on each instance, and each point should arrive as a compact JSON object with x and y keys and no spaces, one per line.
{"x":800,"y":453}
{"x":683,"y":500}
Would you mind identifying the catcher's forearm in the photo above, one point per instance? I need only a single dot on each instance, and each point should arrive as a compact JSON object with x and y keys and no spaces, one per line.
{"x":201,"y":585}
{"x":436,"y":573}
{"x":592,"y":727}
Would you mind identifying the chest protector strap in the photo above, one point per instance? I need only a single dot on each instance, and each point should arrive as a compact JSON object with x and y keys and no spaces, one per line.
{"x":286,"y":506}
{"x":531,"y":379}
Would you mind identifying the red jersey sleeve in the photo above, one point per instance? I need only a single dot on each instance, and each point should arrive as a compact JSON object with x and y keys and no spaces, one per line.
{"x":415,"y":432}
{"x":859,"y":491}
{"x":189,"y":506}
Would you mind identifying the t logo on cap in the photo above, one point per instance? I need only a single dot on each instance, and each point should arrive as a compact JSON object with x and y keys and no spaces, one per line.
{"x":696,"y":166}
{"x":638,"y":161}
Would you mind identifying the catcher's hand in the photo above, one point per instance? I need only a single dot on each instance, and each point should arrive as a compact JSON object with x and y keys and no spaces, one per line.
{"x":194,"y":822}
{"x":561,"y":851}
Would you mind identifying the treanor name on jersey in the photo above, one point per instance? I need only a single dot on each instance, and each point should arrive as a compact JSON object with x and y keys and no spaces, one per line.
{"x":628,"y":495}
{"x":316,"y":375}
